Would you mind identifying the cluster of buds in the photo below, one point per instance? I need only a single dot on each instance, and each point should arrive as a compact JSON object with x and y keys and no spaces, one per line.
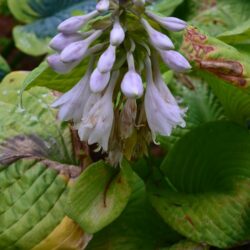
{"x":108,"y":105}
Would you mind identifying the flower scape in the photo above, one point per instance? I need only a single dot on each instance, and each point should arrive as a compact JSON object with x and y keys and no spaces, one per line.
{"x":122,"y":100}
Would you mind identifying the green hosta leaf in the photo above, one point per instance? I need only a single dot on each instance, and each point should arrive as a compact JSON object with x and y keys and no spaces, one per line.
{"x":99,"y":195}
{"x":212,"y":55}
{"x":187,"y":245}
{"x":205,"y":194}
{"x":43,"y":17}
{"x":138,"y":227}
{"x":4,"y":68}
{"x":221,"y":16}
{"x":29,"y":43}
{"x":44,"y":76}
{"x":235,"y":101}
{"x":36,"y":116}
{"x":202,"y":106}
{"x":166,"y":7}
{"x":239,"y":35}
{"x":32,"y":216}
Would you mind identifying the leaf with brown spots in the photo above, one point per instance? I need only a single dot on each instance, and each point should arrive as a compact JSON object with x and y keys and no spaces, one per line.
{"x":216,"y":57}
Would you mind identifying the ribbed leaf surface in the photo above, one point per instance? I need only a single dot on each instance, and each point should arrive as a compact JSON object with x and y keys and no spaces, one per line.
{"x":205,"y":195}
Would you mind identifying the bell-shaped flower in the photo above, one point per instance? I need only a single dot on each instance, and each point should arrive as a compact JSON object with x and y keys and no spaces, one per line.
{"x":107,"y":59}
{"x":99,"y":81}
{"x":60,"y":41}
{"x":175,"y":60}
{"x":158,"y":39}
{"x":169,"y":23}
{"x":58,"y":66}
{"x":73,"y":24}
{"x":102,"y":5}
{"x":131,"y":85}
{"x":117,"y":33}
{"x":71,"y":104}
{"x":162,"y":111}
{"x":76,"y":51}
{"x":97,"y":121}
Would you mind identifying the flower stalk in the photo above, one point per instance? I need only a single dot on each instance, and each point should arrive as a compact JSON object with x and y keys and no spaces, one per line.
{"x":113,"y":83}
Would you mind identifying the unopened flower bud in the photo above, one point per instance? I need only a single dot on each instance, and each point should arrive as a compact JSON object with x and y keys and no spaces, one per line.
{"x":131,"y":85}
{"x":76,"y":51}
{"x":57,"y":65}
{"x":99,"y":81}
{"x":60,"y":41}
{"x":107,"y":59}
{"x":158,"y":39}
{"x":117,"y":34}
{"x":73,"y":24}
{"x":175,"y":60}
{"x":102,"y":5}
{"x":169,"y":23}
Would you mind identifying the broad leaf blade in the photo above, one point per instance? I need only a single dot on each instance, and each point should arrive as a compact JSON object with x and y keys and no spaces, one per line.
{"x":99,"y":195}
{"x":43,"y":17}
{"x":33,"y":118}
{"x":32,"y":199}
{"x":205,"y":194}
{"x":138,"y":227}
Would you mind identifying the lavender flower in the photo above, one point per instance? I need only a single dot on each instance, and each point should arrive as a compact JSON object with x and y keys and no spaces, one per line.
{"x":175,"y":60}
{"x":107,"y":59}
{"x":162,"y":111}
{"x":90,"y":102}
{"x":60,"y":41}
{"x":72,"y":103}
{"x":102,"y":5}
{"x":97,"y":122}
{"x":131,"y":84}
{"x":60,"y":67}
{"x":158,"y":39}
{"x":76,"y":51}
{"x":73,"y":24}
{"x":99,"y":80}
{"x":117,"y":34}
{"x":169,"y":23}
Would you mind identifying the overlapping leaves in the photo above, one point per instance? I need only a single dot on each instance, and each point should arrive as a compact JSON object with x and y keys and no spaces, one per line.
{"x":204,"y":194}
{"x":42,"y":18}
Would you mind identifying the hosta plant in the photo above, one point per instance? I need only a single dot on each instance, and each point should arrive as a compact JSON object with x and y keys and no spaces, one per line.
{"x":133,"y":132}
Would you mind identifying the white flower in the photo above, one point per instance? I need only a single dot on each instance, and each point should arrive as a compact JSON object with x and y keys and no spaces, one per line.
{"x":73,"y":24}
{"x":175,"y":60}
{"x":158,"y":39}
{"x":107,"y":59}
{"x":97,"y":120}
{"x":71,"y":104}
{"x":162,"y":111}
{"x":102,"y":5}
{"x":76,"y":51}
{"x":99,"y":81}
{"x":169,"y":23}
{"x":117,"y":33}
